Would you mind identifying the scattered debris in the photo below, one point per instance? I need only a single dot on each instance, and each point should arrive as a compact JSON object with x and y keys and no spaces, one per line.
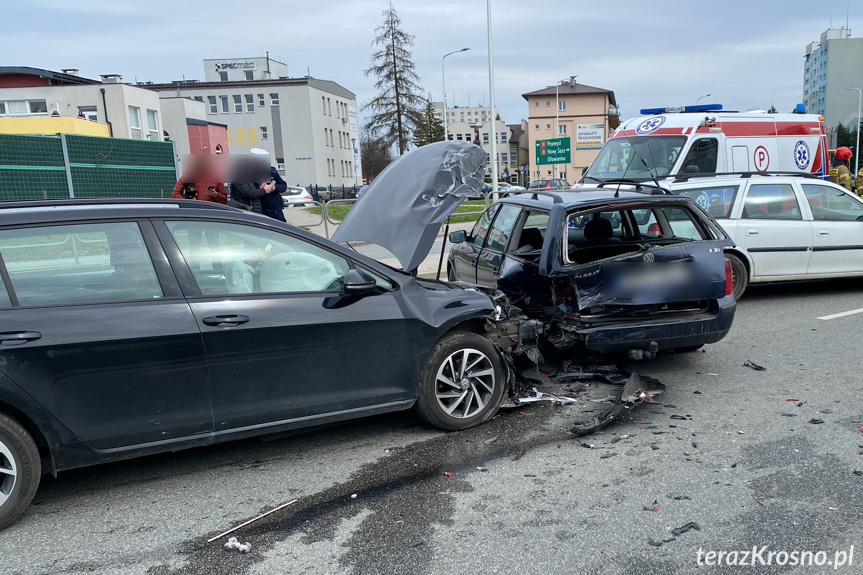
{"x":832,"y":509}
{"x":816,"y":421}
{"x":448,"y":473}
{"x":827,"y":411}
{"x":670,"y":539}
{"x":681,"y":498}
{"x":654,"y":447}
{"x":353,"y":496}
{"x":607,"y":455}
{"x":654,"y":543}
{"x":788,"y":414}
{"x":540,"y":396}
{"x":858,"y":472}
{"x":754,"y":366}
{"x":490,"y":441}
{"x":261,"y":516}
{"x":675,"y":416}
{"x":691,"y":526}
{"x":241,"y":547}
{"x":482,"y":469}
{"x":792,"y":400}
{"x":635,"y":391}
{"x":697,"y":393}
{"x":654,"y":508}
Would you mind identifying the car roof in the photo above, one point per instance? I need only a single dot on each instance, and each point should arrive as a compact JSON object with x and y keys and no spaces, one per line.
{"x":31,"y":211}
{"x":584,"y":196}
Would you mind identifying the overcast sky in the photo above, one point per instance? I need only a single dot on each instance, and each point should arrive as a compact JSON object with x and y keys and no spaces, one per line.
{"x":747,"y":54}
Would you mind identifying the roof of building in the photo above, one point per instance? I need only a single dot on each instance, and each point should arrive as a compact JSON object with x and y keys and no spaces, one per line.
{"x":517,"y":132}
{"x":59,"y":77}
{"x":569,"y":90}
{"x":324,"y":85}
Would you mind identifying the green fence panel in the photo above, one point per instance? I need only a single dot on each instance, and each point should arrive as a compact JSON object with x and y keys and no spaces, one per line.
{"x":32,"y":167}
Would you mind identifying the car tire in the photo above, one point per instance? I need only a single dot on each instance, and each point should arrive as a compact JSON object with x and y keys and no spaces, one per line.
{"x":450,"y":273}
{"x":739,"y":276}
{"x":453,"y":399}
{"x":20,"y":469}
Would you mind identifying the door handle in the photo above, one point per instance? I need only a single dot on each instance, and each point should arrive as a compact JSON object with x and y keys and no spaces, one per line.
{"x":823,"y":233}
{"x":225,"y":320}
{"x":751,"y":233}
{"x":10,"y":338}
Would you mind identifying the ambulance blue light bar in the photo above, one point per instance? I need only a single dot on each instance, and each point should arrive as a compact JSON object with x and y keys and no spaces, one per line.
{"x":678,"y":109}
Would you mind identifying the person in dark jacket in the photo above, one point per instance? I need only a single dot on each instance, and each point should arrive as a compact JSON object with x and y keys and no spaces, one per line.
{"x":250,"y":194}
{"x":273,"y":204}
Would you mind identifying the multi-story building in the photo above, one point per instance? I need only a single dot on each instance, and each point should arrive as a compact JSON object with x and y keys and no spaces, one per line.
{"x":583,"y":114}
{"x":309,"y":126}
{"x":37,"y":101}
{"x":473,"y":116}
{"x":832,"y":75}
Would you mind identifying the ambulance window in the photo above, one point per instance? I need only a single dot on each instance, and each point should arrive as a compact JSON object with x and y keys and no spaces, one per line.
{"x":702,"y":154}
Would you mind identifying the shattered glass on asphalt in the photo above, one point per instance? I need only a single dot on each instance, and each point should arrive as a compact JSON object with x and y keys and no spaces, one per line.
{"x":403,"y":208}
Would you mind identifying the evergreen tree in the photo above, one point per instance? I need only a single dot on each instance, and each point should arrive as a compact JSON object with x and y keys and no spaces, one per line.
{"x":844,"y":136}
{"x":396,"y":109}
{"x":430,"y":128}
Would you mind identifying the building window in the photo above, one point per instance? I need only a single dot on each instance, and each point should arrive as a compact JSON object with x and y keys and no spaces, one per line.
{"x":261,"y":101}
{"x":152,"y":126}
{"x":326,"y":137}
{"x":214,"y":109}
{"x":561,"y":130}
{"x":238,"y":104}
{"x":264,"y":134}
{"x":561,"y":106}
{"x":459,"y":137}
{"x":223,"y":76}
{"x":274,"y":99}
{"x":199,"y":98}
{"x":547,"y":103}
{"x":503,"y":137}
{"x":249,"y":74}
{"x":512,"y":158}
{"x":536,"y":126}
{"x":224,"y":101}
{"x":536,"y":104}
{"x":485,"y":137}
{"x":135,"y":122}
{"x":250,"y":103}
{"x":2,"y":108}
{"x":548,"y":126}
{"x":86,"y":112}
{"x":330,"y":110}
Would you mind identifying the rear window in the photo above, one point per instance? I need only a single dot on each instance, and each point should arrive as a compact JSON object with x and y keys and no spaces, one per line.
{"x":715,"y":200}
{"x":601,"y":233}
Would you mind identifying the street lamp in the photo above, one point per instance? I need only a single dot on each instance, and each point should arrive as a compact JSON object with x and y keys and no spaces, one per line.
{"x":857,"y":150}
{"x":491,"y":104}
{"x":702,"y":97}
{"x":571,"y":81}
{"x":443,"y":81}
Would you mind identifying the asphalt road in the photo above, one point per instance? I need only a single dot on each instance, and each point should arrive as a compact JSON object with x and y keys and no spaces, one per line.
{"x":524,"y":496}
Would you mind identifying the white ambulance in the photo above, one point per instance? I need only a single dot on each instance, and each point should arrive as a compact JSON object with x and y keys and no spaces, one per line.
{"x":664,"y":142}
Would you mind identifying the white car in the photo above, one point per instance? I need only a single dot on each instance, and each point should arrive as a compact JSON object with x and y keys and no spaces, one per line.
{"x":297,"y":196}
{"x":785,"y":227}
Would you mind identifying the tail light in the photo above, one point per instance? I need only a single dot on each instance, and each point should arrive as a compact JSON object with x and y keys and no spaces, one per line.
{"x":653,"y":229}
{"x":729,"y":278}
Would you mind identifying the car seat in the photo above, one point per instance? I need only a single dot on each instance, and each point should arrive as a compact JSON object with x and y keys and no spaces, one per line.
{"x":529,"y":241}
{"x":599,"y":232}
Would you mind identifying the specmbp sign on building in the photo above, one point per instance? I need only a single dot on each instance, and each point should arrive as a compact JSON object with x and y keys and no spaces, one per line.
{"x":589,"y":136}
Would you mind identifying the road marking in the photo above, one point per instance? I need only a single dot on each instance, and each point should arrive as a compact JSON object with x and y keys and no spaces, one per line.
{"x":842,"y":314}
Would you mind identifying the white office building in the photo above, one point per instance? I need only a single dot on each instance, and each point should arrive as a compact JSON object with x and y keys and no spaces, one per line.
{"x":473,"y":116}
{"x":309,"y":126}
{"x":832,"y":76}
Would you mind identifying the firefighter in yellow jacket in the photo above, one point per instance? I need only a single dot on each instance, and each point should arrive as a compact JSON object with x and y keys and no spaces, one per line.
{"x":839,"y":171}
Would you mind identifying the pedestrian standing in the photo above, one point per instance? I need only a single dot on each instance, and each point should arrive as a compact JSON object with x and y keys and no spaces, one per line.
{"x":839,"y":169}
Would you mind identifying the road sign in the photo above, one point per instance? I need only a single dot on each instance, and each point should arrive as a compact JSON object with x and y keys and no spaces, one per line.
{"x":553,"y":151}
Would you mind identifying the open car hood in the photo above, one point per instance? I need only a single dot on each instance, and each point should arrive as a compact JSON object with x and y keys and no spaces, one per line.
{"x":403,"y":208}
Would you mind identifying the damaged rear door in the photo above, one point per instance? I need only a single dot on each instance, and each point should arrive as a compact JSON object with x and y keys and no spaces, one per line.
{"x":639,"y":261}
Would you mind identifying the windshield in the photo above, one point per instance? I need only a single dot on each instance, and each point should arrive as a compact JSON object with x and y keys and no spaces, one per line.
{"x":636,"y":158}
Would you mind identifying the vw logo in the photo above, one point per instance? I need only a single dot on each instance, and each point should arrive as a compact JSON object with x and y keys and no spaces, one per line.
{"x":648,"y":258}
{"x":801,"y":155}
{"x":650,"y":125}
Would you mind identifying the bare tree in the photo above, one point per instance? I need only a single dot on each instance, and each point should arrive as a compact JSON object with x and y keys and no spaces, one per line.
{"x":396,"y":107}
{"x":376,"y":154}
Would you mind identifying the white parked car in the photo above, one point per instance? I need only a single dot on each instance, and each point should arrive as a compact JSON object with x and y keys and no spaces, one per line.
{"x":785,"y":227}
{"x":297,"y":196}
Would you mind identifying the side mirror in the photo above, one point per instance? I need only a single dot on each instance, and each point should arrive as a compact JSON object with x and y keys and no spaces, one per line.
{"x":358,"y":283}
{"x":458,"y":236}
{"x":584,"y":170}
